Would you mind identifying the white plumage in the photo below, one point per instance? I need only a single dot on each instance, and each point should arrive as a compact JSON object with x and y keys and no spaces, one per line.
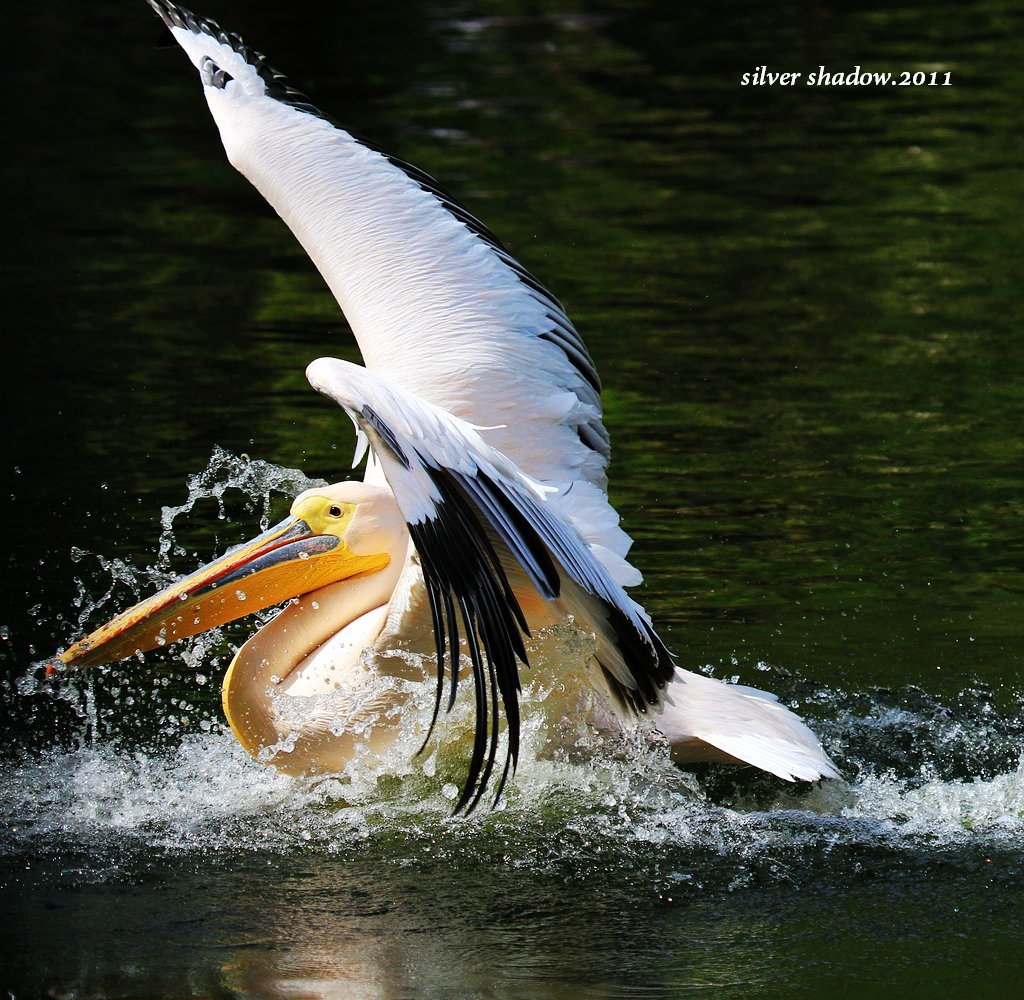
{"x":481,"y":407}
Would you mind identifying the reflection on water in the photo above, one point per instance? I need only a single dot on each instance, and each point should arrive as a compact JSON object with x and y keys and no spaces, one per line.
{"x":170,"y":857}
{"x":805,"y":306}
{"x":197,"y":868}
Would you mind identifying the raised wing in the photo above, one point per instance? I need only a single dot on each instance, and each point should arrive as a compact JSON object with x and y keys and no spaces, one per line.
{"x":435,"y":301}
{"x":457,"y":493}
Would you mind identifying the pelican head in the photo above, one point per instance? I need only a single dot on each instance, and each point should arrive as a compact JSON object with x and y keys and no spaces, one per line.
{"x":333,"y":533}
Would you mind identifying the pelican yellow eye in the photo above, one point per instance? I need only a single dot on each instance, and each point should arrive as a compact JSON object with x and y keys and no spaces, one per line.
{"x":324,"y":515}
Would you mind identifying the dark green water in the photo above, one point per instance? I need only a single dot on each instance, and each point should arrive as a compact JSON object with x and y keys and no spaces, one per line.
{"x":805,"y":305}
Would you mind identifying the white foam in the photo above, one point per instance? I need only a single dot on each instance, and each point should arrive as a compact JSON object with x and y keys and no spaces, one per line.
{"x":208,"y":794}
{"x":949,"y":812}
{"x":204,"y":793}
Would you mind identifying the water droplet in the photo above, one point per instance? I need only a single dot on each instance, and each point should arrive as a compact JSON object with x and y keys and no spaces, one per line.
{"x":240,"y":594}
{"x":449,"y":791}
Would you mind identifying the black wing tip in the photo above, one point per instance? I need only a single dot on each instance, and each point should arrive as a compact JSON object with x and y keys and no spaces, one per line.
{"x":451,"y":557}
{"x":651,"y":664}
{"x":279,"y":87}
{"x":181,"y":17}
{"x":461,"y":568}
{"x":515,"y":531}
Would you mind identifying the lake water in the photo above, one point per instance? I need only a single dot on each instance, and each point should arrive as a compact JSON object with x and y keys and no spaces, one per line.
{"x":805,"y":305}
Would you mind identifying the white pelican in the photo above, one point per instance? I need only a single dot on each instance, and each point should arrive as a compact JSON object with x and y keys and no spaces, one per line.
{"x":483,"y":516}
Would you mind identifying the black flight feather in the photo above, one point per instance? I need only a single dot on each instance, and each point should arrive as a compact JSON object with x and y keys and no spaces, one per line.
{"x":470,"y":597}
{"x":461,"y":568}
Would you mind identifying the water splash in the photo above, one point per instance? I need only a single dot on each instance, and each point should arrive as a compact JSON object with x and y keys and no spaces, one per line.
{"x":920,"y":772}
{"x":256,"y":479}
{"x":110,"y":702}
{"x":621,"y":797}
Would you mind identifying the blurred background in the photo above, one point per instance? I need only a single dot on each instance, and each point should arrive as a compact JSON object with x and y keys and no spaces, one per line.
{"x":804,"y":302}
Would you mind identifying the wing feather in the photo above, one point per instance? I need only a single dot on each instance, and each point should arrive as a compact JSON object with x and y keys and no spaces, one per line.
{"x":490,"y":411}
{"x":434,"y":299}
{"x":452,"y":488}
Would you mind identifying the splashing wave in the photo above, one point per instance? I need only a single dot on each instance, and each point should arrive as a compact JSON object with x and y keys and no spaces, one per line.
{"x":920,"y":773}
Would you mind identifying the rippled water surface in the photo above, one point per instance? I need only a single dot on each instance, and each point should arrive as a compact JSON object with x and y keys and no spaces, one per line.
{"x":805,"y":304}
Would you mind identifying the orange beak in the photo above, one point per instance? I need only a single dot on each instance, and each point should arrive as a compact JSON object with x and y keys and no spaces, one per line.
{"x":284,"y":562}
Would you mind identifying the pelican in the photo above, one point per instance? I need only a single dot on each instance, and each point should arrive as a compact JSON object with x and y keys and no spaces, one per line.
{"x":482,"y":521}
